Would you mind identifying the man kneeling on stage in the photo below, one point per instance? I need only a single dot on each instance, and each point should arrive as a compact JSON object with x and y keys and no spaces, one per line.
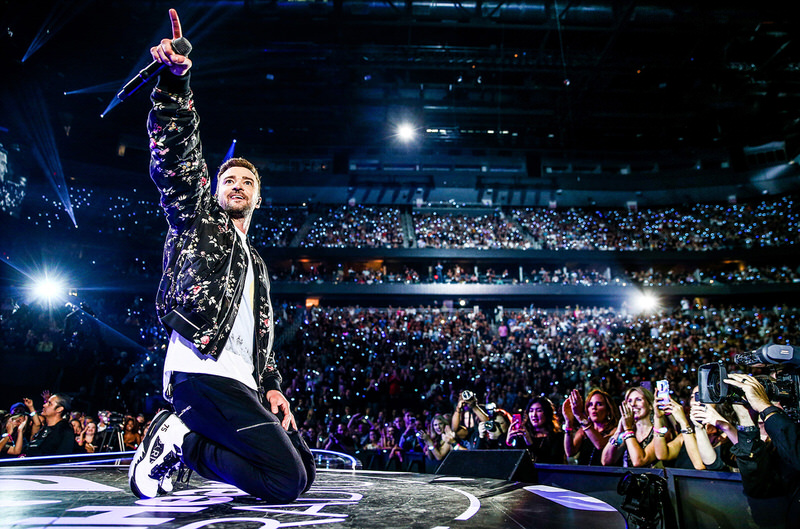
{"x":231,"y":421}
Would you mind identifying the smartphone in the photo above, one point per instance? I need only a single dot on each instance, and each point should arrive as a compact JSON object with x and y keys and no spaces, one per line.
{"x":662,"y":392}
{"x":516,"y":419}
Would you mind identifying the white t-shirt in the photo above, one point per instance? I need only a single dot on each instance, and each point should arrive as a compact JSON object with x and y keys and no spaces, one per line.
{"x":236,"y":359}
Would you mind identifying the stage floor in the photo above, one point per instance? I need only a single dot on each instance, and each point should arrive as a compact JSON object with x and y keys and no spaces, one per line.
{"x":97,"y":496}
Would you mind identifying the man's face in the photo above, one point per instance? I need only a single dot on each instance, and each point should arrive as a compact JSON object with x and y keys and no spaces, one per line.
{"x":51,"y":408}
{"x":237,"y":192}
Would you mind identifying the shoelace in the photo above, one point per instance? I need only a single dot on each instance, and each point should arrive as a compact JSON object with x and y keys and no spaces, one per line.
{"x":171,"y":461}
{"x":184,"y":473}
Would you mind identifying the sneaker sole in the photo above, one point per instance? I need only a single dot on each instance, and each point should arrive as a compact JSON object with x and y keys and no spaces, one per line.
{"x":143,"y":449}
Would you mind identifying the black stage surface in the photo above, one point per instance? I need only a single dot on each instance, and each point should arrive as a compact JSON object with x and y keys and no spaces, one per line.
{"x":97,"y":496}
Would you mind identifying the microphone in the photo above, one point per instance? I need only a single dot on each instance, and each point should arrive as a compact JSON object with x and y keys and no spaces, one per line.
{"x":180,"y":45}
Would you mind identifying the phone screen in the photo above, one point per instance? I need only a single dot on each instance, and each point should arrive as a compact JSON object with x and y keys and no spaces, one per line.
{"x":662,"y":392}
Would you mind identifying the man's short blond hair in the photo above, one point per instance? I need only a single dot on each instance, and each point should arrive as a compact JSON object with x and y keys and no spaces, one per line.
{"x":239,"y":162}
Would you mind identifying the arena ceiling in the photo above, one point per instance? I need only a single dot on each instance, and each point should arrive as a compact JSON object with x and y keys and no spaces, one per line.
{"x":688,"y":82}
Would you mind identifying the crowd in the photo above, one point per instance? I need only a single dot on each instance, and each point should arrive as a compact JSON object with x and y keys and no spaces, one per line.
{"x":739,"y":273}
{"x":570,"y":384}
{"x":700,"y":227}
{"x":772,"y":222}
{"x":56,"y":429}
{"x":356,"y":227}
{"x":279,"y":228}
{"x":386,"y":370}
{"x":369,"y":274}
{"x":455,"y":230}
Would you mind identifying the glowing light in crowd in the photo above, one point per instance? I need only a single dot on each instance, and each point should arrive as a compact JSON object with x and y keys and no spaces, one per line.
{"x":645,"y":302}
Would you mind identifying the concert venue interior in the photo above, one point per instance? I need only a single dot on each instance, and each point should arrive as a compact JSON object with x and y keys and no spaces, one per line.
{"x":515,"y":198}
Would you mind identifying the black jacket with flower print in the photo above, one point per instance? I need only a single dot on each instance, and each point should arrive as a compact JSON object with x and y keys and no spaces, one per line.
{"x":204,"y":261}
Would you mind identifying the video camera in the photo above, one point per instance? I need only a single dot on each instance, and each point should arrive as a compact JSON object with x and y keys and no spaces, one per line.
{"x":784,"y":387}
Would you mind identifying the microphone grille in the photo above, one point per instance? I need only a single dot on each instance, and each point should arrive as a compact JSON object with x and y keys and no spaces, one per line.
{"x":182,"y":45}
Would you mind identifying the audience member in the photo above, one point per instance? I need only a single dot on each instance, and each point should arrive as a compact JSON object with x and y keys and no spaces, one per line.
{"x":588,"y":426}
{"x":14,"y":441}
{"x":131,"y":436}
{"x":492,"y":433}
{"x":466,"y":417}
{"x":439,"y":438}
{"x":632,"y":443}
{"x":86,"y":439}
{"x":717,"y":430}
{"x":540,"y":432}
{"x":679,"y":451}
{"x":55,"y":437}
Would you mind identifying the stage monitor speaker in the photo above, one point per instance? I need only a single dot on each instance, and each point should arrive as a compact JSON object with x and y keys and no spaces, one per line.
{"x":510,"y":465}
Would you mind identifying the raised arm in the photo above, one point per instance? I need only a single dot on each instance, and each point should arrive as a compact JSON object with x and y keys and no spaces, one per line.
{"x":572,"y":432}
{"x":176,"y":161}
{"x":164,"y":53}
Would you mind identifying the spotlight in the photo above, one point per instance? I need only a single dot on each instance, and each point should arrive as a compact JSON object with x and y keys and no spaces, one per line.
{"x":645,"y":302}
{"x":48,"y":289}
{"x":406,"y":132}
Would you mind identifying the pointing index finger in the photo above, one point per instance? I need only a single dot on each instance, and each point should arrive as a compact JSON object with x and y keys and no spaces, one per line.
{"x":176,"y":24}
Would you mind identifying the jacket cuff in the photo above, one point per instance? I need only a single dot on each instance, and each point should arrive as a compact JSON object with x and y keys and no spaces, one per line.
{"x":270,"y":383}
{"x":173,"y":84}
{"x":747,"y":447}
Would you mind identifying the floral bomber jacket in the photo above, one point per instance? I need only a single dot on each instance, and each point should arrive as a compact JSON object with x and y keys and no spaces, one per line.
{"x":204,"y":261}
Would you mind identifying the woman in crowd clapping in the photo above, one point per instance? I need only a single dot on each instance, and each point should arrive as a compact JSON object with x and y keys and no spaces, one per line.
{"x":14,"y":440}
{"x":589,"y":425}
{"x":539,"y":432}
{"x":632,"y":443}
{"x":86,"y":437}
{"x":437,"y":441}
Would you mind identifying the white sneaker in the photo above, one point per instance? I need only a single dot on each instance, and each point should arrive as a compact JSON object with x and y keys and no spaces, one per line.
{"x":157,"y":456}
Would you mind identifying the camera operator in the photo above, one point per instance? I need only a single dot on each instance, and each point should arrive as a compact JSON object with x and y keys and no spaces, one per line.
{"x":492,"y":433}
{"x":781,"y":429}
{"x":766,"y":471}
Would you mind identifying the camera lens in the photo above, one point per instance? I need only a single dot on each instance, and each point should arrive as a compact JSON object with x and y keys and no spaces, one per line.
{"x":491,"y":426}
{"x":775,"y":388}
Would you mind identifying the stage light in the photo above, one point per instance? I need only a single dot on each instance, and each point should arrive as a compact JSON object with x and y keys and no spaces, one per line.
{"x":48,"y":289}
{"x":231,"y":150}
{"x":405,"y":132}
{"x":645,"y":302}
